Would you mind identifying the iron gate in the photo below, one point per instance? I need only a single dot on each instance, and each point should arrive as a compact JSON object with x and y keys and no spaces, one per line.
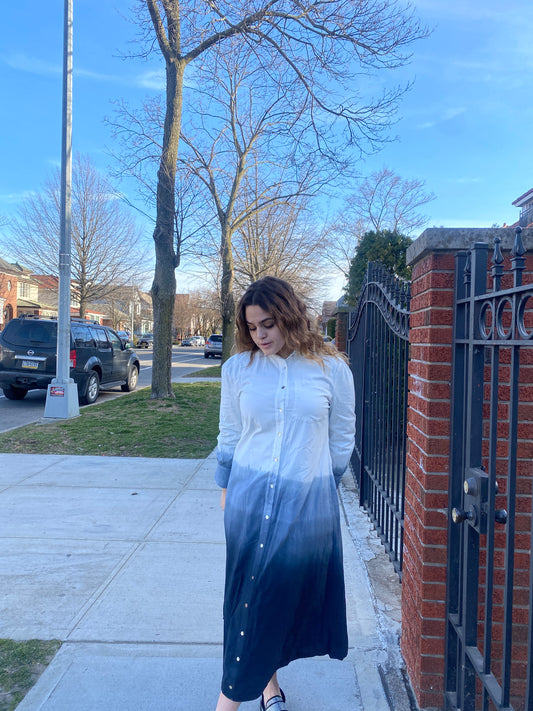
{"x":378,"y":349}
{"x":489,"y":577}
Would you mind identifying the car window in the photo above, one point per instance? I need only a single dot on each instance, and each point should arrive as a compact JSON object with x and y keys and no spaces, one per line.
{"x":82,"y":336}
{"x":115,"y":340}
{"x":216,"y":338}
{"x":25,"y":332}
{"x":100,"y":338}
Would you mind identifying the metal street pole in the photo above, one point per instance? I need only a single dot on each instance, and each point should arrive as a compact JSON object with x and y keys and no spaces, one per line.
{"x":62,"y":395}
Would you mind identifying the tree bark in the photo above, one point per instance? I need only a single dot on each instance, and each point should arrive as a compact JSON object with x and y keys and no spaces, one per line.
{"x":226,"y":293}
{"x":164,"y":283}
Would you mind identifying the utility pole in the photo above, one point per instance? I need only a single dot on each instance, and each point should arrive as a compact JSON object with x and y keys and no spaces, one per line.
{"x":62,"y":395}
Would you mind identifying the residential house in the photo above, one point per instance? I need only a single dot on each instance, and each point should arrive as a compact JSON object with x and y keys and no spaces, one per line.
{"x":328,"y":312}
{"x":8,"y":292}
{"x":128,"y":309}
{"x":525,"y":203}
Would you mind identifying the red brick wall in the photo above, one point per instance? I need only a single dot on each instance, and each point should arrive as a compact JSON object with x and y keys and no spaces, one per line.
{"x":426,"y":498}
{"x":341,"y":330}
{"x":426,"y":486}
{"x":10,"y":295}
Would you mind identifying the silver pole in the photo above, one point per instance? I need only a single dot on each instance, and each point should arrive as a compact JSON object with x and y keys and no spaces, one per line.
{"x":62,"y":396}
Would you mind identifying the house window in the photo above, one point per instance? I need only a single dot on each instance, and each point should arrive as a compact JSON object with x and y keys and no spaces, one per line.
{"x":24,"y":290}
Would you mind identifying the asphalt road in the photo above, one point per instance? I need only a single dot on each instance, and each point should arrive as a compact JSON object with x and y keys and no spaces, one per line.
{"x":23,"y":412}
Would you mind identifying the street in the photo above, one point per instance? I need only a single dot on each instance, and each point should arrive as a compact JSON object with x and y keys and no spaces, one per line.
{"x":23,"y":412}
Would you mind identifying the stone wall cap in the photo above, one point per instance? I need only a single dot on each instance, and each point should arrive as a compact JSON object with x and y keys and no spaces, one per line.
{"x":454,"y":239}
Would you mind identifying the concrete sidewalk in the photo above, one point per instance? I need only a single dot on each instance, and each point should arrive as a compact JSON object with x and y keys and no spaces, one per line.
{"x":123,"y":560}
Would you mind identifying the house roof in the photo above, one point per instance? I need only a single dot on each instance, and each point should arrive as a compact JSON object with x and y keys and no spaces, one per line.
{"x":47,"y":281}
{"x":524,"y":199}
{"x":7,"y":268}
{"x":25,"y":303}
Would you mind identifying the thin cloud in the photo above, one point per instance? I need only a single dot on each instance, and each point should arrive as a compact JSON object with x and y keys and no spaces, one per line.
{"x":153,"y":79}
{"x":447,"y":115}
{"x":466,"y":180}
{"x":17,"y":197}
{"x":32,"y":65}
{"x":96,"y":75}
{"x":24,"y":63}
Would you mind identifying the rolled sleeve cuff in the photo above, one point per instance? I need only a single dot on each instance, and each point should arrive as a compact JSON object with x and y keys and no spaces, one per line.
{"x":222,"y":473}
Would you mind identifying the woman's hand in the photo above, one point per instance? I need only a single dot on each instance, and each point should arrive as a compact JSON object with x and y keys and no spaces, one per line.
{"x":223,"y":499}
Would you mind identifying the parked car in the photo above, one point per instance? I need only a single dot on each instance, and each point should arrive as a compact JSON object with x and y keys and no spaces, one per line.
{"x":195,"y":341}
{"x":124,"y":336}
{"x":98,"y":356}
{"x":213,"y":346}
{"x":145,"y":341}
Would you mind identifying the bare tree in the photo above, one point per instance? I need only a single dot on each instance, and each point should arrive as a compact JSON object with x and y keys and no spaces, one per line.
{"x":319,"y":43}
{"x":382,"y":202}
{"x":106,"y":251}
{"x":241,"y":157}
{"x":385,"y":201}
{"x":280,"y":241}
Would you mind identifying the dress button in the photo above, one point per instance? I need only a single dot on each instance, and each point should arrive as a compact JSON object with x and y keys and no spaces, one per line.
{"x":230,"y":686}
{"x":238,"y":659}
{"x":245,"y":604}
{"x":242,"y":633}
{"x":267,"y":516}
{"x":261,"y":545}
{"x":272,"y":486}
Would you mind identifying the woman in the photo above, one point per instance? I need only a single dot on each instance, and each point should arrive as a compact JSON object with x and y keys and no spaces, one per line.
{"x":287,"y":428}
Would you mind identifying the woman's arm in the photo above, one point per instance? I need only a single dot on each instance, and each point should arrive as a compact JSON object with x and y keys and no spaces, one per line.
{"x":341,"y":419}
{"x":230,"y":426}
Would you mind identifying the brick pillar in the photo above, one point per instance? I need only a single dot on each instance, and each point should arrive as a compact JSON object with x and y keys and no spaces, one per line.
{"x":432,"y":258}
{"x":426,"y":485}
{"x":341,"y":328}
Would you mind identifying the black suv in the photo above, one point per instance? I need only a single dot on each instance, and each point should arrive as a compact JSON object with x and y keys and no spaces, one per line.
{"x":28,"y":349}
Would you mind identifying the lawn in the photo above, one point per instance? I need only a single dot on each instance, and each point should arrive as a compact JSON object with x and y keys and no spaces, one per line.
{"x":21,"y":664}
{"x":184,"y":427}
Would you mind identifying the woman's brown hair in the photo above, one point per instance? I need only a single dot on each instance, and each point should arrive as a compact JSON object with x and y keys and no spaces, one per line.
{"x":289,"y":312}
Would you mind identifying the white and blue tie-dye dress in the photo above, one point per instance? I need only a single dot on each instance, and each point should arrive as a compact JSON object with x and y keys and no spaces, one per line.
{"x":287,"y":430}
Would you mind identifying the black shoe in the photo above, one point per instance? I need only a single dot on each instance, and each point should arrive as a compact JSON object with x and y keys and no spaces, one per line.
{"x":275,"y":703}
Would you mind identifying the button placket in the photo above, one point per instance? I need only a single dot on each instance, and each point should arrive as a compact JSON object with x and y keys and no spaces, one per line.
{"x":271,"y":486}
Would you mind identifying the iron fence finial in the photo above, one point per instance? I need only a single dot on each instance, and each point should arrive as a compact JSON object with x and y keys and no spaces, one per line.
{"x":518,"y":246}
{"x":497,"y":257}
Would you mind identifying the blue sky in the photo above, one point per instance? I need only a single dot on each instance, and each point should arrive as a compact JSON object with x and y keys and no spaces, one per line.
{"x":463,"y":127}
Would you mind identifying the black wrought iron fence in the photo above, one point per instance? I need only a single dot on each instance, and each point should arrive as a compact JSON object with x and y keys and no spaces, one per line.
{"x":378,"y":349}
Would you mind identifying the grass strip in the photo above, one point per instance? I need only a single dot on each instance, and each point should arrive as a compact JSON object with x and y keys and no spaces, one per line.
{"x":213,"y":371}
{"x":183,"y":427}
{"x":21,"y":664}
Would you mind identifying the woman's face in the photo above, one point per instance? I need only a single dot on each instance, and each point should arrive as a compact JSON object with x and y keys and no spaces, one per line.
{"x":264,"y":332}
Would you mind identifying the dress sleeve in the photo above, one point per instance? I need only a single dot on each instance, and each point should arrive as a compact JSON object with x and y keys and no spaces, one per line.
{"x":230,"y":426}
{"x":341,"y":419}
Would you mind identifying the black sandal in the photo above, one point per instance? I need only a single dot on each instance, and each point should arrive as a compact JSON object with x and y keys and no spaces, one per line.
{"x":275,"y":703}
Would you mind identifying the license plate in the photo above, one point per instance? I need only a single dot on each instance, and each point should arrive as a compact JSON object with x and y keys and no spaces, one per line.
{"x":30,"y":364}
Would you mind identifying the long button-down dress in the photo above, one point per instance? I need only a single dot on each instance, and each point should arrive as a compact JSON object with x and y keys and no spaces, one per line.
{"x":287,"y":429}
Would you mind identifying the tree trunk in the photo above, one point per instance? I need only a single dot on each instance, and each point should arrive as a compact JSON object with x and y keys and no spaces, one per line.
{"x":226,"y":294}
{"x":164,"y":284}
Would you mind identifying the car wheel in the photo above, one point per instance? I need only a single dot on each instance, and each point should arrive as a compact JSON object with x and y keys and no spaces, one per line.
{"x":92,"y":390}
{"x":206,"y":355}
{"x":14,"y":393}
{"x":131,"y":382}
